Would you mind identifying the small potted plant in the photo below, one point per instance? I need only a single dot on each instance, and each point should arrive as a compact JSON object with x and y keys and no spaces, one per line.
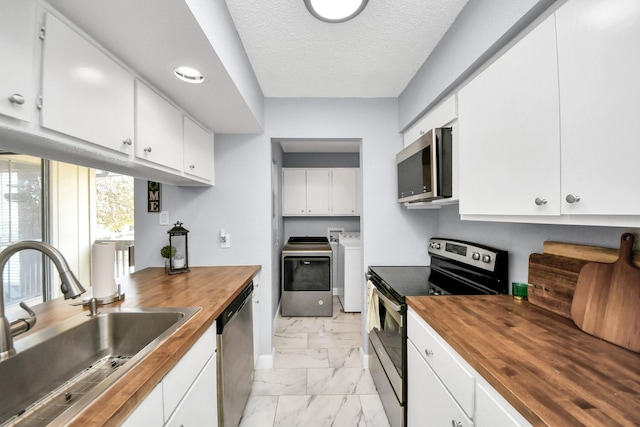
{"x":167,"y":252}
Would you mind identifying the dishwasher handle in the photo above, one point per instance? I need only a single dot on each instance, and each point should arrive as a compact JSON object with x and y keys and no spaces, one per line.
{"x":234,"y":308}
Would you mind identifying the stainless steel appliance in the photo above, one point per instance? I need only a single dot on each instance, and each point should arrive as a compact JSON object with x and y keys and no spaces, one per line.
{"x":424,"y":167}
{"x":307,"y":284}
{"x":457,"y":268}
{"x":235,"y":358}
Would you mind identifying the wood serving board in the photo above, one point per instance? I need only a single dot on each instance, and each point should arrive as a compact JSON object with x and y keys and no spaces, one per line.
{"x":553,"y":279}
{"x":607,"y":296}
{"x":554,"y":273}
{"x":585,"y":252}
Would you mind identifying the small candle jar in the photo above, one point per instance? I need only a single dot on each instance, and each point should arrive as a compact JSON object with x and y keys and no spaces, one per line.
{"x":519,"y":290}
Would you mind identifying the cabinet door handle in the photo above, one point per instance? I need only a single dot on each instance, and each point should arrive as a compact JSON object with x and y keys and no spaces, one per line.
{"x":16,"y":98}
{"x":192,"y":167}
{"x":147,"y":149}
{"x":572,"y":198}
{"x":428,"y":352}
{"x":127,"y":141}
{"x":540,"y":201}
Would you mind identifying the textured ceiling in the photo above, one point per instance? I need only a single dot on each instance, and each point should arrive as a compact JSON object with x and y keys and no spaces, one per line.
{"x":374,"y":55}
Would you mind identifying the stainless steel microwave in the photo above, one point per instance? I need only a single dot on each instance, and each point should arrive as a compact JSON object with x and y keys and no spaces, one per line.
{"x":424,"y":167}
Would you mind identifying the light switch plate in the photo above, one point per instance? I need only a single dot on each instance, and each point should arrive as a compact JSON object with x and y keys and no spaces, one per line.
{"x":164,"y":218}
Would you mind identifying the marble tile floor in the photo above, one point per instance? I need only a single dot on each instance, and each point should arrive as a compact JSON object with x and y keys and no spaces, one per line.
{"x":318,"y":379}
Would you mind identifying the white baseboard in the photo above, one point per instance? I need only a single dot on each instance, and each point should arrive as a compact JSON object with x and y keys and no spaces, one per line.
{"x":265,"y":361}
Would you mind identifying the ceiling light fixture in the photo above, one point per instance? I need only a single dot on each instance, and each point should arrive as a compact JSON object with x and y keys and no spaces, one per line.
{"x":188,"y":74}
{"x":335,"y":11}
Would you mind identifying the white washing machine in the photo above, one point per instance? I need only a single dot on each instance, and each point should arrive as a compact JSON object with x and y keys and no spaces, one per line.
{"x":350,"y":273}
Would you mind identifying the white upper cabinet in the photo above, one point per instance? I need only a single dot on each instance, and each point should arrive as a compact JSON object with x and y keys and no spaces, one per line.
{"x":318,"y":181}
{"x":549,"y":130}
{"x":510,"y":132}
{"x":159,"y":135}
{"x":85,"y":93}
{"x":17,"y":44}
{"x":440,"y":116}
{"x":198,"y":150}
{"x":599,"y":66}
{"x":320,"y":191}
{"x":294,"y":191}
{"x":344,"y":191}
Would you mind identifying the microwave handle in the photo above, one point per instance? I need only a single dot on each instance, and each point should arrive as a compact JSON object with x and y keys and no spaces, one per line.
{"x":386,"y":300}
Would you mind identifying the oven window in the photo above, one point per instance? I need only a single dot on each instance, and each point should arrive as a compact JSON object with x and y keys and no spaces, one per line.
{"x":390,"y":334}
{"x":302,"y":273}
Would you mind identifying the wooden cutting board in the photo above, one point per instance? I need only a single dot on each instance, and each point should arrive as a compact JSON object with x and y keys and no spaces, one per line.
{"x":606,"y":301}
{"x":553,"y":279}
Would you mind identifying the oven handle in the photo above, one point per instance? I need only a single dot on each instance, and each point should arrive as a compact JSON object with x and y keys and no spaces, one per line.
{"x":397,"y":308}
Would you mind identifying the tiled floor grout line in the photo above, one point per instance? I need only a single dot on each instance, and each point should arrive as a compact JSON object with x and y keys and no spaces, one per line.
{"x":338,"y":388}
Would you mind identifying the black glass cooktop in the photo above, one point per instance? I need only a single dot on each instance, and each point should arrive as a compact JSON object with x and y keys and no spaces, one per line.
{"x":402,"y":281}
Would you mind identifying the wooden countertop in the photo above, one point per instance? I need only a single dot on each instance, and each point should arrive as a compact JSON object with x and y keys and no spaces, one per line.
{"x":210,"y":288}
{"x":549,"y":370}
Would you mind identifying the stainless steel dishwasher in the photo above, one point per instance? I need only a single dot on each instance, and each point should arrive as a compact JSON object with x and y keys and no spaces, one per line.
{"x":235,"y":358}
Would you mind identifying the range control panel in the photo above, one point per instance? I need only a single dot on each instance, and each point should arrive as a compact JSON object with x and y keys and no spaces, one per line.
{"x":468,"y":253}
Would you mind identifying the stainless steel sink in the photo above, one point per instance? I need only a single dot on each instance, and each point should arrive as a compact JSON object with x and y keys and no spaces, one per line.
{"x":60,"y":370}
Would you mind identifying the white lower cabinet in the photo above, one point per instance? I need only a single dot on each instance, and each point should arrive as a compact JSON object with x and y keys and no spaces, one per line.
{"x":148,"y":412}
{"x":197,"y":407}
{"x":429,"y":402}
{"x":444,"y":390}
{"x":492,"y":410}
{"x":187,"y":395}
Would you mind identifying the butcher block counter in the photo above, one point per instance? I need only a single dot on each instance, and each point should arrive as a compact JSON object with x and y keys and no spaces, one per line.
{"x":545,"y":367}
{"x":210,"y":288}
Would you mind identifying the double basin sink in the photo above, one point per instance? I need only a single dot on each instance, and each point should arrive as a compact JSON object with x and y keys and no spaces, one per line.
{"x":60,"y":370}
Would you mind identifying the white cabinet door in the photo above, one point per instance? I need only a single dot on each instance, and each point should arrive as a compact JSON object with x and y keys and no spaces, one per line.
{"x":492,"y":410}
{"x":509,"y":131}
{"x":344,"y":191}
{"x":599,"y":67}
{"x":184,"y":373}
{"x":17,"y":44}
{"x":198,"y":150}
{"x":294,"y":192}
{"x":318,"y":191}
{"x":199,"y":406}
{"x":148,"y":412}
{"x":159,"y":136}
{"x":85,"y":94}
{"x":428,"y":401}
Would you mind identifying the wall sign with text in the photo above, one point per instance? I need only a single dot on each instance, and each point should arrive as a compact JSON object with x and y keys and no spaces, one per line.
{"x":153,"y":196}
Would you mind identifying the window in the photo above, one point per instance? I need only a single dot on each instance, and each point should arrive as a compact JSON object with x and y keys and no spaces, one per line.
{"x":70,"y":207}
{"x":21,"y":216}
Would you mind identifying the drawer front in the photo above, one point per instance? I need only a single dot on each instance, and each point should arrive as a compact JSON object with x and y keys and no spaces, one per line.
{"x":444,"y":361}
{"x":178,"y":380}
{"x":429,"y":401}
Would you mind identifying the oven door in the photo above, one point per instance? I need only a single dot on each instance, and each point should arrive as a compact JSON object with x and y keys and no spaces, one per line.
{"x":388,"y":358}
{"x":306,"y":273}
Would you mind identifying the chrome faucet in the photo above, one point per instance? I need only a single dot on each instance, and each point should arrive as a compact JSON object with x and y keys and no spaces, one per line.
{"x":70,"y":287}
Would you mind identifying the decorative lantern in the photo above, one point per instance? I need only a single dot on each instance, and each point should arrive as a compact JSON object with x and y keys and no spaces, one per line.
{"x":179,"y":261}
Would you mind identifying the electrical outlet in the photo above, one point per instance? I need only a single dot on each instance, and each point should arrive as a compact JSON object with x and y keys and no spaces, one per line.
{"x":225,"y":240}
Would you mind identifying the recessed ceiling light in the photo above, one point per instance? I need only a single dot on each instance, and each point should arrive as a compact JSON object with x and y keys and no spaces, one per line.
{"x":335,"y":10}
{"x":189,"y":74}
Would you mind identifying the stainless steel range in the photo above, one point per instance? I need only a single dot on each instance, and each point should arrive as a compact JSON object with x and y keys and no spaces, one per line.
{"x":307,"y":284}
{"x":457,"y":268}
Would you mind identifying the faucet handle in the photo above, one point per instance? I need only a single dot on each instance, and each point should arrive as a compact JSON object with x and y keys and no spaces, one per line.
{"x":93,"y":307}
{"x":21,"y":326}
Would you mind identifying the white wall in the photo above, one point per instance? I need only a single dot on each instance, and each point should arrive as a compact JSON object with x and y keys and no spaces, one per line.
{"x":240,"y":202}
{"x":521,"y":240}
{"x":481,"y":29}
